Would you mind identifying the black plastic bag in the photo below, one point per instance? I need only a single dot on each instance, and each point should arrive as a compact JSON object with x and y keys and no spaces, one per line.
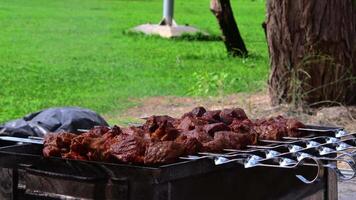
{"x":68,"y":119}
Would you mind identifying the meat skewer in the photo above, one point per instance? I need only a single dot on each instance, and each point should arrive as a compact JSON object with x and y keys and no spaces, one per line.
{"x":163,"y":139}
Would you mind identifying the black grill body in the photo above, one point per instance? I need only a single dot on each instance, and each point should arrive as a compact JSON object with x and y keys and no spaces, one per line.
{"x":55,"y":178}
{"x":25,"y":174}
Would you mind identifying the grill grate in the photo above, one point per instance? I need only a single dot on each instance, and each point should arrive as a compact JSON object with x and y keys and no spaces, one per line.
{"x":321,"y":147}
{"x":325,"y":149}
{"x":203,"y":176}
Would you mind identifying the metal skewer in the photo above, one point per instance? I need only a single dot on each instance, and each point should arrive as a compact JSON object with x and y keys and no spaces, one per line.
{"x":22,"y":140}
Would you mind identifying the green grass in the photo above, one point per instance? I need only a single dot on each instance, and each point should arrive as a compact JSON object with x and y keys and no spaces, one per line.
{"x":77,"y":53}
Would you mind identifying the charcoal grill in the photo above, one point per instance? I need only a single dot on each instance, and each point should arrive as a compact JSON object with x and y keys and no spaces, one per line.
{"x":293,"y":168}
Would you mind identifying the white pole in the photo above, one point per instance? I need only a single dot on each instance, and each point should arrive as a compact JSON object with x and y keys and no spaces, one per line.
{"x":168,"y":10}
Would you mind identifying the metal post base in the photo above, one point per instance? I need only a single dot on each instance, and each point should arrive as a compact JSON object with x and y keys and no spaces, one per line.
{"x":164,"y":30}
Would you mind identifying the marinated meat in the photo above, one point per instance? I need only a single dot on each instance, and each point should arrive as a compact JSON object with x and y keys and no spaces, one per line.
{"x":191,"y":145}
{"x":163,"y":139}
{"x":229,"y":115}
{"x":153,"y":122}
{"x":275,"y":128}
{"x":137,"y":131}
{"x":212,"y":128}
{"x":57,"y":144}
{"x":98,"y":131}
{"x":128,"y":148}
{"x":242,"y":126}
{"x":51,"y":150}
{"x":196,"y":112}
{"x":165,"y":132}
{"x":199,"y":134}
{"x":189,"y":123}
{"x":163,"y":152}
{"x":228,"y":140}
{"x":212,"y":116}
{"x":292,"y":126}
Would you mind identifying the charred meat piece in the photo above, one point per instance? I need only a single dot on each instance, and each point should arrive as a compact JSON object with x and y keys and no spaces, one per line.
{"x":61,"y":140}
{"x":136,"y":131}
{"x":212,"y":128}
{"x":275,"y":128}
{"x":189,"y":123}
{"x":212,"y":116}
{"x":196,"y":112}
{"x":165,"y":132}
{"x":98,"y":131}
{"x":115,"y":130}
{"x":271,"y":132}
{"x":191,"y":145}
{"x":292,"y":126}
{"x":94,"y":147}
{"x":51,"y":150}
{"x":242,"y":126}
{"x":229,"y":115}
{"x":56,"y":144}
{"x":128,"y":148}
{"x":228,"y":140}
{"x":199,"y":134}
{"x":153,"y":122}
{"x":163,"y":152}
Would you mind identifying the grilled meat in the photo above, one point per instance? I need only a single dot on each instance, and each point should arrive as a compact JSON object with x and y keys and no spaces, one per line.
{"x":153,"y":122}
{"x":189,"y":123}
{"x":163,"y":152}
{"x":163,"y":139}
{"x":57,"y":144}
{"x":165,"y":132}
{"x":229,"y":115}
{"x":229,"y":140}
{"x":191,"y":145}
{"x":128,"y":148}
{"x":212,"y":116}
{"x":275,"y":128}
{"x":196,"y":112}
{"x":212,"y":128}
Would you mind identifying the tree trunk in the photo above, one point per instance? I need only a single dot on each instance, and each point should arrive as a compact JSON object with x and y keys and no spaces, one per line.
{"x":312,"y":45}
{"x":231,"y":34}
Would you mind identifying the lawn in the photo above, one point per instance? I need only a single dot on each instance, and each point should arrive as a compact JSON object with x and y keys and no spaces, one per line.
{"x":78,"y":53}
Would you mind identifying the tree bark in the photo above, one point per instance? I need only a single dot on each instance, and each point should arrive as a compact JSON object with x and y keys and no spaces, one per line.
{"x":312,"y":45}
{"x":231,"y":35}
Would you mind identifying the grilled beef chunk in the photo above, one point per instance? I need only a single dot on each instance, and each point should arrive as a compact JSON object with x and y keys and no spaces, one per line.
{"x":189,"y":123}
{"x":165,"y":132}
{"x":229,"y":115}
{"x":163,"y":152}
{"x":199,"y":134}
{"x":242,"y":126}
{"x":212,"y":116}
{"x":137,"y":131}
{"x":228,"y":140}
{"x":153,"y":122}
{"x":196,"y":112}
{"x":57,"y":144}
{"x":163,"y":139}
{"x":212,"y":128}
{"x":99,"y":130}
{"x":292,"y":126}
{"x":275,"y":128}
{"x":51,"y":150}
{"x":128,"y":148}
{"x":191,"y":145}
